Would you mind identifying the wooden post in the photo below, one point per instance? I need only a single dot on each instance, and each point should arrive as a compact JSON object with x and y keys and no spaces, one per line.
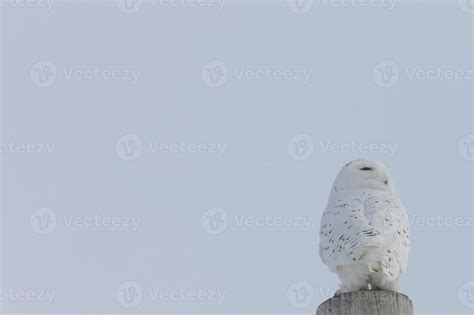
{"x":373,"y":302}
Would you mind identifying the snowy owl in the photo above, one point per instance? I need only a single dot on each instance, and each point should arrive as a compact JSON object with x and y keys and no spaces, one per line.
{"x":364,"y":235}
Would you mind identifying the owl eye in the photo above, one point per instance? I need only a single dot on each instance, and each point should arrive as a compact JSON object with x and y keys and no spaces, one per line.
{"x":366,"y":169}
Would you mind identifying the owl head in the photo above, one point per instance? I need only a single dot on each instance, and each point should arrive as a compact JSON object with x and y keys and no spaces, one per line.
{"x":364,"y":174}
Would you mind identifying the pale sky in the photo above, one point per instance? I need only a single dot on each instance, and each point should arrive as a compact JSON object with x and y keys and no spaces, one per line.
{"x":177,"y":158}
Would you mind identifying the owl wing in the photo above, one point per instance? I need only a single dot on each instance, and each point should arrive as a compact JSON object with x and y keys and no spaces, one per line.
{"x":370,"y":227}
{"x":388,"y":218}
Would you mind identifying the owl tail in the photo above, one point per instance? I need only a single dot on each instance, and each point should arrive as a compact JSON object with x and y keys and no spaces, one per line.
{"x":374,"y":257}
{"x":382,"y":261}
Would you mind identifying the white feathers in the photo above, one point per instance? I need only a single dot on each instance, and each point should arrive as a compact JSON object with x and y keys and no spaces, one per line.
{"x":364,"y":235}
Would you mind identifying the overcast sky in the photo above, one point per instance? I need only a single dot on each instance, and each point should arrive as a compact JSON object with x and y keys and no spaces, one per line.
{"x":178,"y":158}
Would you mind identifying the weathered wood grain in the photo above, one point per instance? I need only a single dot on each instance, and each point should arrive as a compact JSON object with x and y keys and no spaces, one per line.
{"x":367,"y":303}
